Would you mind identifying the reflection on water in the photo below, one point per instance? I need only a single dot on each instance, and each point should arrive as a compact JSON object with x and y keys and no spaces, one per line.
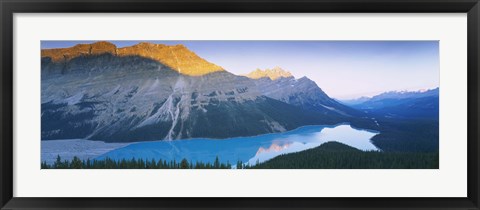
{"x":300,"y":141}
{"x":247,"y":149}
{"x":275,"y":147}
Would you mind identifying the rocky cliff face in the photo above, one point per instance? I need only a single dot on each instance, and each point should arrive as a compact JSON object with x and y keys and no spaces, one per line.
{"x":111,"y":98}
{"x":176,"y":57}
{"x":99,"y":92}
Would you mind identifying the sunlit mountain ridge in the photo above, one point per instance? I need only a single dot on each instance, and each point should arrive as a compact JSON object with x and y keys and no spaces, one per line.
{"x":177,"y":57}
{"x":273,"y":74}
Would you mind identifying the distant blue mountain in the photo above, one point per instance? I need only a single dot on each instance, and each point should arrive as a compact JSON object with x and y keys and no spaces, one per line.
{"x":353,"y":102}
{"x":409,"y":104}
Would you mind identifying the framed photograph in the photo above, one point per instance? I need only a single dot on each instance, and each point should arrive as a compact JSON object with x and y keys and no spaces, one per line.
{"x":239,"y":104}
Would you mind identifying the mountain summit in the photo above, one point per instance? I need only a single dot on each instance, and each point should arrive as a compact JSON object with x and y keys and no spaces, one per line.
{"x":273,"y":74}
{"x":176,"y":57}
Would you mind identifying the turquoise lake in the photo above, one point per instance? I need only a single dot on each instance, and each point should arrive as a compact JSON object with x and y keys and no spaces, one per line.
{"x":247,"y":149}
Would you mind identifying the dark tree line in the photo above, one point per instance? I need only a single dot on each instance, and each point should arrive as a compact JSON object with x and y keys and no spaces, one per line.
{"x":133,"y":163}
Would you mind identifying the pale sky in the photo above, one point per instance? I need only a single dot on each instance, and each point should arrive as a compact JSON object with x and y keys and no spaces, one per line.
{"x":343,"y":69}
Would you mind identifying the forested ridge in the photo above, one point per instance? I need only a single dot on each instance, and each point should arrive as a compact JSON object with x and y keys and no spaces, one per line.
{"x":335,"y":155}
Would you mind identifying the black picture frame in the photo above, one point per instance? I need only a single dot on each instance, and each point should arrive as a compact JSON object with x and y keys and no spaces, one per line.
{"x":10,"y":7}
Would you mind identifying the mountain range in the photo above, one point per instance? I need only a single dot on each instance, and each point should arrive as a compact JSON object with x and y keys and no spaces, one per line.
{"x":417,"y":104}
{"x":153,"y":92}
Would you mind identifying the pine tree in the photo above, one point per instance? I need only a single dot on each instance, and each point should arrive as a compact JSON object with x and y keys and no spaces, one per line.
{"x":76,"y":163}
{"x":184,"y":164}
{"x":58,"y":162}
{"x":216,"y":164}
{"x":239,"y":164}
